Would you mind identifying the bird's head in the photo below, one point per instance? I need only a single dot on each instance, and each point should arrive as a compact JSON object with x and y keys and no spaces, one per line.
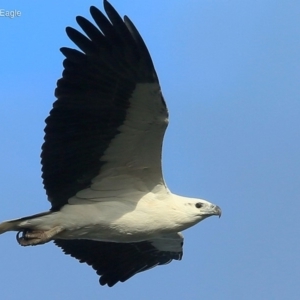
{"x":199,"y":209}
{"x":206,"y":209}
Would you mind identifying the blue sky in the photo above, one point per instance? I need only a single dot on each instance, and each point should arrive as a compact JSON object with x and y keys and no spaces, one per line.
{"x":230,"y":73}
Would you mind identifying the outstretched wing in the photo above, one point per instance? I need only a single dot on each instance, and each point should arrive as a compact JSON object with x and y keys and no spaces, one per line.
{"x":109,"y":113}
{"x":116,"y":262}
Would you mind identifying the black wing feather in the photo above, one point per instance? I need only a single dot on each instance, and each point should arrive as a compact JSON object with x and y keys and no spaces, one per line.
{"x":116,"y":262}
{"x":92,"y":100}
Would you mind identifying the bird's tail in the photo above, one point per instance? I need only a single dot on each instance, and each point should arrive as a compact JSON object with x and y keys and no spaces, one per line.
{"x":14,"y":225}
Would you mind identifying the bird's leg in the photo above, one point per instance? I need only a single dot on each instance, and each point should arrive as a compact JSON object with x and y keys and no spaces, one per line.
{"x":37,"y":237}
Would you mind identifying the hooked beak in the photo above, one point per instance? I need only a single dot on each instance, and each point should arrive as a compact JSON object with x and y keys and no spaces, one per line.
{"x":211,"y":210}
{"x":217,"y":211}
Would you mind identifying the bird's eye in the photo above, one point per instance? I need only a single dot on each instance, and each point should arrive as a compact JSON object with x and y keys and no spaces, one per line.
{"x":198,"y":205}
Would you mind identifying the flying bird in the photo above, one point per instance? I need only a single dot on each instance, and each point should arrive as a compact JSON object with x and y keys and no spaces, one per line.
{"x":101,"y":158}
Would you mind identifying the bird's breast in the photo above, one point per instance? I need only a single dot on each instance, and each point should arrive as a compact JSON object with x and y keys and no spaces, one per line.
{"x":121,"y":220}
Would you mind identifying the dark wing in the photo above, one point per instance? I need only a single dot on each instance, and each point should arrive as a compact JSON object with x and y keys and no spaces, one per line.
{"x":95,"y":96}
{"x":116,"y":262}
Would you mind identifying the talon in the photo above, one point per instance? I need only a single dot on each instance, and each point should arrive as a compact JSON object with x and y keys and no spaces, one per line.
{"x":28,"y":237}
{"x":18,"y":237}
{"x":36,"y":237}
{"x":21,"y":239}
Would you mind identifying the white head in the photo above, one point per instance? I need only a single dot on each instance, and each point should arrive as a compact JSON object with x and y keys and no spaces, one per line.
{"x":196,"y":210}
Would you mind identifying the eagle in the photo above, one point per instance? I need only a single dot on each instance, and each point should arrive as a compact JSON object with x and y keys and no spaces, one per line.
{"x":101,"y":158}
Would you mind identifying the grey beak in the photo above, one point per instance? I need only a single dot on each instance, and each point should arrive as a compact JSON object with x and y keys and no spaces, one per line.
{"x":218,"y":211}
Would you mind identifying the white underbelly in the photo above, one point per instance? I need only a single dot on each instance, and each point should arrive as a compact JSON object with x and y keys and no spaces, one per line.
{"x":126,"y":223}
{"x":116,"y":221}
